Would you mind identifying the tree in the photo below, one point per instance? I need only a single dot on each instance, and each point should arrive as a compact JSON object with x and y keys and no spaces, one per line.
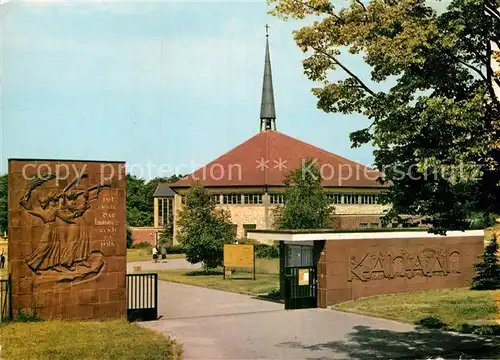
{"x":140,"y":201}
{"x":204,"y":229}
{"x":167,"y":235}
{"x":435,"y":129}
{"x":488,"y":270}
{"x":306,"y":205}
{"x":130,"y":239}
{"x":4,"y":204}
{"x":139,"y":205}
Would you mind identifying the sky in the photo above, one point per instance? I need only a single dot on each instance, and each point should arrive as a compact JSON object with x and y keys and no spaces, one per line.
{"x":165,"y":86}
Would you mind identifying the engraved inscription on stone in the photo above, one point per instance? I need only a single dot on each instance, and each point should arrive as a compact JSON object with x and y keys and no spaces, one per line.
{"x":428,"y":262}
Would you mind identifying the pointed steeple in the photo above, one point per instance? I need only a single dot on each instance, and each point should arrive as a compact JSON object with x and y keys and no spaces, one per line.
{"x":267,"y":110}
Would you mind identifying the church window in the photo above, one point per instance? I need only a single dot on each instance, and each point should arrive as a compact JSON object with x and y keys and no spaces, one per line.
{"x":335,"y":198}
{"x":231,"y":199}
{"x":252,"y":198}
{"x":276,"y":199}
{"x":216,"y":198}
{"x":369,"y":199}
{"x":160,"y":215}
{"x":165,"y":210}
{"x":350,"y":199}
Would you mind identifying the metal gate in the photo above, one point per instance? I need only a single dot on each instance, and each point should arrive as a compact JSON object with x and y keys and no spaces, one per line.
{"x":142,"y":297}
{"x":5,"y":300}
{"x":298,"y":276}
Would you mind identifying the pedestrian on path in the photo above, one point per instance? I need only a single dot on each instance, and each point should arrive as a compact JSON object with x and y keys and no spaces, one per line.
{"x":2,"y":259}
{"x":155,"y":254}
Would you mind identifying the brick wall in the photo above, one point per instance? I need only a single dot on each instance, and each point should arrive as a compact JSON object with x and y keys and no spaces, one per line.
{"x":67,"y":246}
{"x":351,"y":269}
{"x":145,"y":234}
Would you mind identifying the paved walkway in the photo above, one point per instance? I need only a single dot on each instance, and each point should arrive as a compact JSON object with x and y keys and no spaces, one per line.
{"x":183,"y":301}
{"x":219,"y":325}
{"x":170,"y":264}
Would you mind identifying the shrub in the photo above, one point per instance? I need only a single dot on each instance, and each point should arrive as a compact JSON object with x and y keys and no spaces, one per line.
{"x":479,"y":329}
{"x":142,"y":245}
{"x":274,"y":294}
{"x":23,"y":316}
{"x":488,"y":270}
{"x":267,"y":251}
{"x":432,"y":322}
{"x":175,"y":249}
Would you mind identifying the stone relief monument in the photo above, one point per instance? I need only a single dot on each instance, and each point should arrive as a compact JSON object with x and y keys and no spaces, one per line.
{"x":67,"y":241}
{"x":65,"y":250}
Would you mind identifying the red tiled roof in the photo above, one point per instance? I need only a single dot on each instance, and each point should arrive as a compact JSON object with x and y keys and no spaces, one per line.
{"x":256,"y":162}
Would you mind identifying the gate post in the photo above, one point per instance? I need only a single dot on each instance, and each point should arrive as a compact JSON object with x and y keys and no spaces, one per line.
{"x":282,"y":269}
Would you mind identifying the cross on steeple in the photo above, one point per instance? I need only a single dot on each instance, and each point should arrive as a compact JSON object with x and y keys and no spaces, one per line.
{"x":267,"y":30}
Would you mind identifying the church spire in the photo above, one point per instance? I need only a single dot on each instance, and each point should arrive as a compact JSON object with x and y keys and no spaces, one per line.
{"x":267,"y":110}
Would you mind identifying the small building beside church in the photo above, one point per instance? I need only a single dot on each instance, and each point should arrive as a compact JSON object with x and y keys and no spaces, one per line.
{"x":248,"y":179}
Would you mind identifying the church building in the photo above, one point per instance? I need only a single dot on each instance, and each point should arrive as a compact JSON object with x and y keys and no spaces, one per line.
{"x":248,"y":179}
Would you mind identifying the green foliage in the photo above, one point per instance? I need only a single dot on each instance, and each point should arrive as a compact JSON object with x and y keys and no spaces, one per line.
{"x":488,"y":270}
{"x":4,"y":210}
{"x":140,"y":201}
{"x":431,"y":322}
{"x":26,"y":316}
{"x":479,"y":329}
{"x":130,"y":240}
{"x":142,"y":245}
{"x":306,"y":205}
{"x":166,"y":237}
{"x":204,"y":229}
{"x":434,"y":117}
{"x":267,"y":251}
{"x":483,"y":220}
{"x":176,"y":249}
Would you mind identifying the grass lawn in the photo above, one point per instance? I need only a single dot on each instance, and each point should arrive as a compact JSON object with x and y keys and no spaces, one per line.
{"x":239,"y":282}
{"x":145,"y":255}
{"x":65,"y":340}
{"x":454,"y":307}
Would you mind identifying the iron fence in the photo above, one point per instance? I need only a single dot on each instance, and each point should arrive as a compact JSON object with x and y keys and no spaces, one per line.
{"x":5,"y":300}
{"x":142,"y":297}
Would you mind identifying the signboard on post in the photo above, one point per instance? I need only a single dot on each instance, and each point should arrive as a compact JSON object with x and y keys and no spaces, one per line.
{"x":303,"y":277}
{"x":239,"y":256}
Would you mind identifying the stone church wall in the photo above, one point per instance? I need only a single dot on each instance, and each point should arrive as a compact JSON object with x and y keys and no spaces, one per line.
{"x":350,"y":216}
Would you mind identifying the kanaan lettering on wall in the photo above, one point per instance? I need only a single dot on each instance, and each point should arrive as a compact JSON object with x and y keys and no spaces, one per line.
{"x":428,"y":262}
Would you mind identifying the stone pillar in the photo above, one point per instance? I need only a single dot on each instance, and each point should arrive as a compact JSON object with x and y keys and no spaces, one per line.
{"x":71,"y":263}
{"x":155,"y":212}
{"x":176,"y":207}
